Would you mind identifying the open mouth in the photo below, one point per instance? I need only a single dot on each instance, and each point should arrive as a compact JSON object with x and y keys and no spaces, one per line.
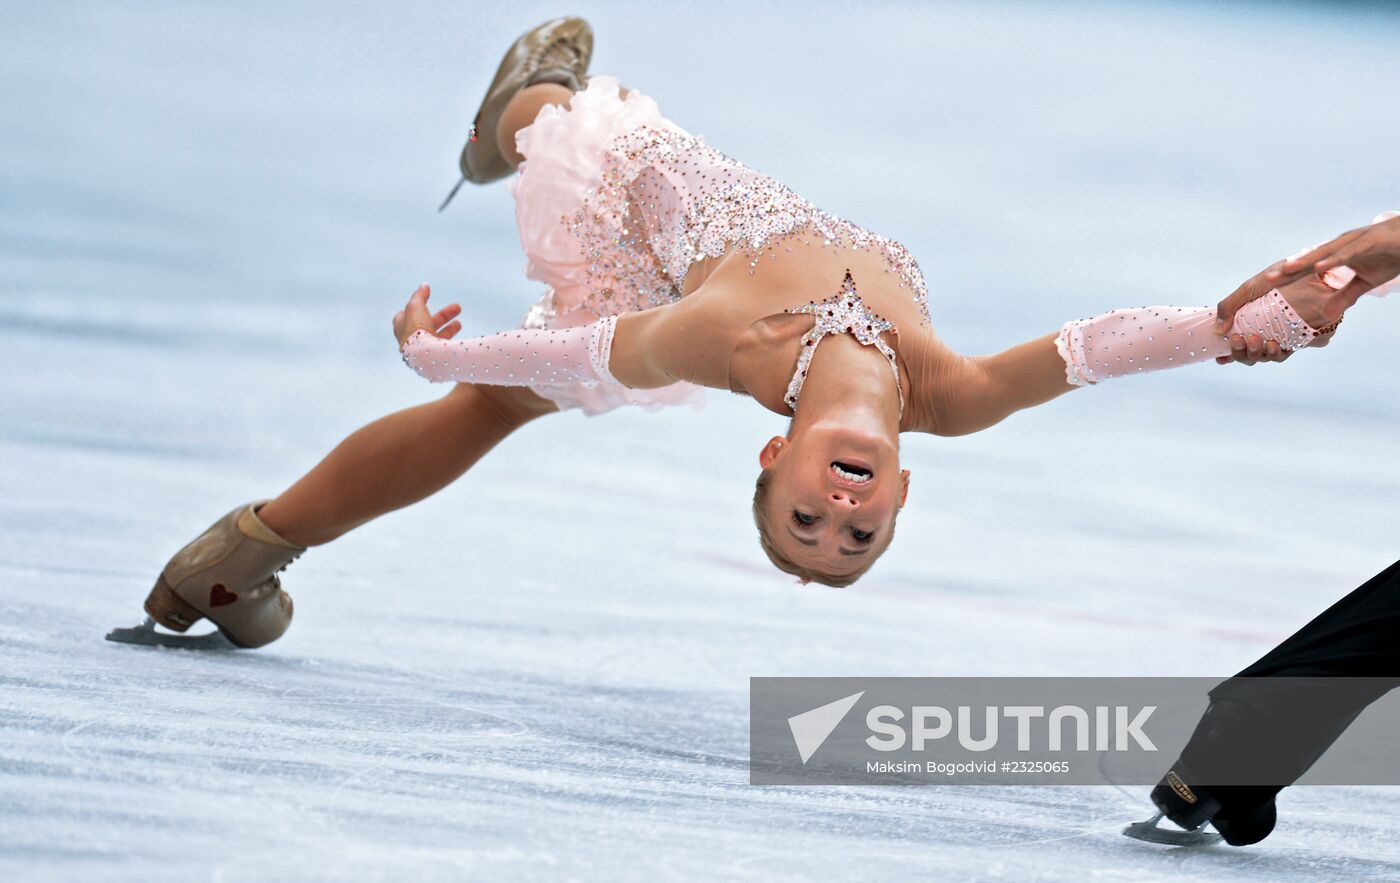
{"x":851,"y":472}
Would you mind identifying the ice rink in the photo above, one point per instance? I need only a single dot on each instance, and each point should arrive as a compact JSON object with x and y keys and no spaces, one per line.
{"x":209,"y":215}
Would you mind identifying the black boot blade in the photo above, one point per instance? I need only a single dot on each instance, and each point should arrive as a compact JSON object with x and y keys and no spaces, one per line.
{"x":1151,"y":832}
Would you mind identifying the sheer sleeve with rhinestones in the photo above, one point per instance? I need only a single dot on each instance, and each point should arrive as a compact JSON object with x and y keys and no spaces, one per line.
{"x":1136,"y":341}
{"x":528,"y":357}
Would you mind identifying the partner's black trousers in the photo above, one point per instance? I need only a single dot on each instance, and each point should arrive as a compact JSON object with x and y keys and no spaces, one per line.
{"x":1359,"y":636}
{"x":1286,"y":702}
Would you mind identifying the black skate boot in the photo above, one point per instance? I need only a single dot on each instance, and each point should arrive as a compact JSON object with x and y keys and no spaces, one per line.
{"x":1243,"y":814}
{"x":1232,"y":742}
{"x":1189,"y":807}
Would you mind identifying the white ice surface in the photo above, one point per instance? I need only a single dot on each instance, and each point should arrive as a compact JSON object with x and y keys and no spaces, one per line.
{"x":208,"y":215}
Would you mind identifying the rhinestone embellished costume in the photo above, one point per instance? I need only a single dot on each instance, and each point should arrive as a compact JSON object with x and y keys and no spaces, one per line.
{"x":615,"y":202}
{"x":668,"y":199}
{"x":576,"y":355}
{"x":1124,"y":342}
{"x":842,"y":313}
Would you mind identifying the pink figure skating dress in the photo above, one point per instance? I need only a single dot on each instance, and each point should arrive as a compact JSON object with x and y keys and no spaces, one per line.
{"x":614,"y":203}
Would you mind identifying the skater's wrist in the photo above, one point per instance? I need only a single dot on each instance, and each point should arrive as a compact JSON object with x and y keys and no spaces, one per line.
{"x":414,"y":340}
{"x":420,"y":352}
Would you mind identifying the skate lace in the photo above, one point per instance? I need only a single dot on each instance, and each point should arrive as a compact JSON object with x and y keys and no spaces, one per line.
{"x":276,"y":581}
{"x":558,"y":52}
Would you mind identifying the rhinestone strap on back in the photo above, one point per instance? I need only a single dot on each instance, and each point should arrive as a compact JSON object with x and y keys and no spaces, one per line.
{"x":842,"y":313}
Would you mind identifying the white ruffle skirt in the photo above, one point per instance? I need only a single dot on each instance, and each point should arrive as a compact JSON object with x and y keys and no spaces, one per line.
{"x":564,"y":151}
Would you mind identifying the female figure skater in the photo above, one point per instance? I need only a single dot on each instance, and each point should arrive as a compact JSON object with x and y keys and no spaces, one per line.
{"x":672,"y":267}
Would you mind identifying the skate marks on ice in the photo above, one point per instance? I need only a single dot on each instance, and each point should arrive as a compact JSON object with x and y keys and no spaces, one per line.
{"x":1323,"y":834}
{"x":384,"y":757}
{"x":521,"y":729}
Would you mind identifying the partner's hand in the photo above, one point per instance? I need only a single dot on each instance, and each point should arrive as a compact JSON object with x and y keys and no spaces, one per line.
{"x":1372,"y":253}
{"x":1252,"y":350}
{"x":1315,"y":302}
{"x":1318,"y":303}
{"x":1351,"y":265}
{"x":415,"y":317}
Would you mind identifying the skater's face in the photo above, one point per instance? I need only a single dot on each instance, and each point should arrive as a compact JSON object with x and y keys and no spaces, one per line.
{"x":827,"y":501}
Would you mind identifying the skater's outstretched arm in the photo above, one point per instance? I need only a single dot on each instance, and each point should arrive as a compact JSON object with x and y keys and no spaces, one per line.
{"x":525,"y":357}
{"x":1121,"y":342}
{"x":637,"y":350}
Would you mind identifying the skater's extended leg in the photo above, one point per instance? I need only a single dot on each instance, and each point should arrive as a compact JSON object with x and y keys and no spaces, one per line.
{"x":229,"y":573}
{"x":398,"y":460}
{"x":524,"y":106}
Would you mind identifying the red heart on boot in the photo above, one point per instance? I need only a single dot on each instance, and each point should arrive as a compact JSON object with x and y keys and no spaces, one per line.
{"x":219,"y":596}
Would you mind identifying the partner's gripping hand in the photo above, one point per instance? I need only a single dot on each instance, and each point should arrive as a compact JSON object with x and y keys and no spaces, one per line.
{"x":1365,"y":258}
{"x":1252,"y":349}
{"x":1336,"y":274}
{"x":416,"y":317}
{"x":1314,"y":300}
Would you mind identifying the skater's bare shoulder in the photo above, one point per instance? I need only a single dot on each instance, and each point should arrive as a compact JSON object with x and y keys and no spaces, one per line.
{"x":688,"y":340}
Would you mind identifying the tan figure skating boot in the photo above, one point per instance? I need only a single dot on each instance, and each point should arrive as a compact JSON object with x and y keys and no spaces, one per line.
{"x":228,"y":575}
{"x":557,"y":51}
